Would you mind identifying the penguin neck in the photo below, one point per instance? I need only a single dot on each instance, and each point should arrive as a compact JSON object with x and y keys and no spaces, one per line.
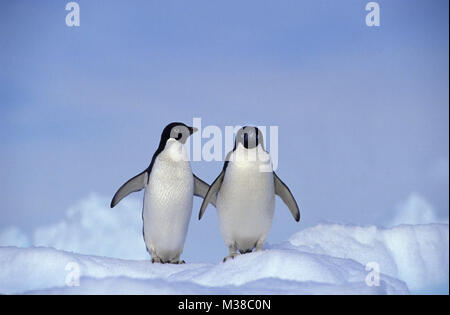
{"x":240,"y":148}
{"x":174,"y":151}
{"x":244,"y":155}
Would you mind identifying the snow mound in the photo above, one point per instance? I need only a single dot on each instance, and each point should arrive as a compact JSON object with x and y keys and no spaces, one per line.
{"x":90,"y":227}
{"x":415,"y":210}
{"x":416,"y":254}
{"x":326,"y":259}
{"x":45,"y":271}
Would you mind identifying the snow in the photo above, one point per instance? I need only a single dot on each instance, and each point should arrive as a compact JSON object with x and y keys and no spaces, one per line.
{"x":43,"y":270}
{"x":417,"y":254}
{"x":89,"y":227}
{"x":13,"y":236}
{"x":415,"y":210}
{"x":326,"y":259}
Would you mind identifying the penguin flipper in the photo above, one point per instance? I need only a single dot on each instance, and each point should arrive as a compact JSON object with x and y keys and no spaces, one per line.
{"x":212,"y":193}
{"x":285,"y":194}
{"x":201,"y":189}
{"x":134,"y":184}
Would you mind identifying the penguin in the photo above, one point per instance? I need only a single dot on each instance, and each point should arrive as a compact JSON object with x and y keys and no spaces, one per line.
{"x":245,"y":192}
{"x":169,"y":189}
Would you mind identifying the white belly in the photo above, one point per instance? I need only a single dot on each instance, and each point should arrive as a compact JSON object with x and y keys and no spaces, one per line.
{"x":245,"y":204}
{"x":167,"y":206}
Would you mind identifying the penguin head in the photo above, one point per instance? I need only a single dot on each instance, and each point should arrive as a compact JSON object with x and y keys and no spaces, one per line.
{"x":177,"y":131}
{"x":250,"y":137}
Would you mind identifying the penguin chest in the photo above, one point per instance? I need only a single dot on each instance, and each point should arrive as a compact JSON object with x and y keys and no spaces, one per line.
{"x":170,"y":187}
{"x":168,"y":206}
{"x":246,"y":203}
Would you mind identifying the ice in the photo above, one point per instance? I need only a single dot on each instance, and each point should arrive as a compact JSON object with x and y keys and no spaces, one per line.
{"x":89,"y":227}
{"x":415,"y":210}
{"x":325,"y":259}
{"x":44,"y":270}
{"x":417,"y":254}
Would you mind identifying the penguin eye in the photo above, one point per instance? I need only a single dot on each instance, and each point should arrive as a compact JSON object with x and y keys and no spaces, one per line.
{"x":177,"y":130}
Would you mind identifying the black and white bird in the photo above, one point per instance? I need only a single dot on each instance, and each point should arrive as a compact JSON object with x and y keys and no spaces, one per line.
{"x":169,"y":189}
{"x":245,"y":192}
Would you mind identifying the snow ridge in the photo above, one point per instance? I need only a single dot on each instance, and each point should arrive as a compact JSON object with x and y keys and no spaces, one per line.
{"x":325,"y":259}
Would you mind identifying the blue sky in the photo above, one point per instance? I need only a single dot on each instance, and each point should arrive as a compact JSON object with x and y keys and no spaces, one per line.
{"x":363,"y":112}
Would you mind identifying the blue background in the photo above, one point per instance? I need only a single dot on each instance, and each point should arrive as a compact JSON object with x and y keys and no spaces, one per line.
{"x":363,"y":113}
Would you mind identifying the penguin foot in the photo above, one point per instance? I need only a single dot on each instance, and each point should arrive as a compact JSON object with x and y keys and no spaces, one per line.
{"x":157,"y":260}
{"x":177,"y":262}
{"x":230,"y":256}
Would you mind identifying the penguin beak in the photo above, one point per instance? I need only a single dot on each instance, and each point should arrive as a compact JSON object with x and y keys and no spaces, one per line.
{"x":246,"y":140}
{"x":250,"y":140}
{"x":192,"y":130}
